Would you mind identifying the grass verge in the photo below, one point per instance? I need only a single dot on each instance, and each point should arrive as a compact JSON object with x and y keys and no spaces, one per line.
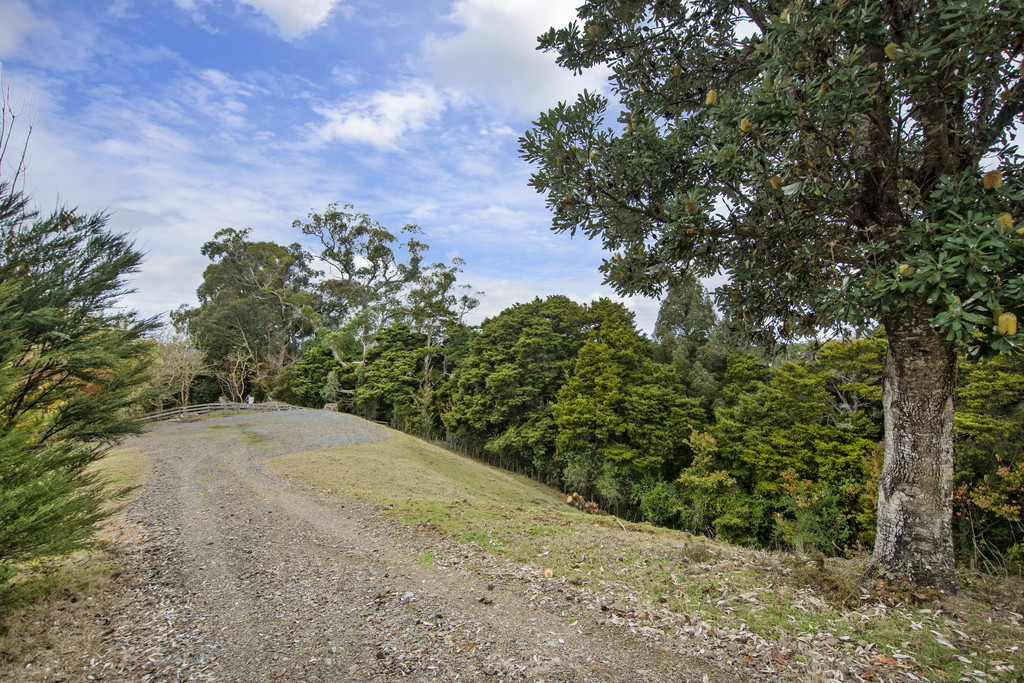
{"x":404,"y":469}
{"x":780,"y":596}
{"x":124,"y":468}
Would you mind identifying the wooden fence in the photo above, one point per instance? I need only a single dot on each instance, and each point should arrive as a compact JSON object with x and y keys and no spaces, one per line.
{"x":207,"y":408}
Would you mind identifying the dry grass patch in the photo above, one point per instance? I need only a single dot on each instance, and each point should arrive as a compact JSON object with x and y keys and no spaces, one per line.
{"x":777,"y":596}
{"x":405,"y":468}
{"x":124,"y":468}
{"x":54,"y":609}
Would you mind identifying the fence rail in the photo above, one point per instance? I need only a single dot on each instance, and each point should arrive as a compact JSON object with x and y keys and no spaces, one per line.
{"x":207,"y":408}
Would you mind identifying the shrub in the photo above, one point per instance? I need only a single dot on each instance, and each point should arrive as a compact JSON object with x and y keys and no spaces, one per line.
{"x":658,"y":501}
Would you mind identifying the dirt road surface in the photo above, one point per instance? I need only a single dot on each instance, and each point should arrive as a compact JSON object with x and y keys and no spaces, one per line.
{"x":235,"y":573}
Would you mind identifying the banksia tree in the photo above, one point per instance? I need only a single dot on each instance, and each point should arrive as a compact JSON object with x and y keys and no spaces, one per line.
{"x":842,"y":176}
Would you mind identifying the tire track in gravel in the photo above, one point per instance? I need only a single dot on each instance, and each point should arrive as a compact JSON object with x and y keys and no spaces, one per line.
{"x":260,"y":578}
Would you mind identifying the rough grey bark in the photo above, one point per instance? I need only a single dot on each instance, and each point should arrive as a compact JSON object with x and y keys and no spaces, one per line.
{"x":915,"y":494}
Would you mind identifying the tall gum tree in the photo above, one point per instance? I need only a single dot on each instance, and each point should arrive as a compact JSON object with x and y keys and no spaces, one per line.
{"x":255,"y":308}
{"x":844,"y":163}
{"x":371,"y":272}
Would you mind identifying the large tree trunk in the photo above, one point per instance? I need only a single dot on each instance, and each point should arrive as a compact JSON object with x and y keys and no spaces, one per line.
{"x":915,"y":495}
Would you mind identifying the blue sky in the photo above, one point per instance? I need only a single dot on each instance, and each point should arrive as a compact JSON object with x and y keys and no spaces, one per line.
{"x":181,"y":117}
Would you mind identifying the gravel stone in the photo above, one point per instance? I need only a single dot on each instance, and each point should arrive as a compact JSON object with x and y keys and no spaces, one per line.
{"x":231,"y":572}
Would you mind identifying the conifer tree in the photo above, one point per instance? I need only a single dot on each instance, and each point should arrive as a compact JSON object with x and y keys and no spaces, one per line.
{"x":71,"y":371}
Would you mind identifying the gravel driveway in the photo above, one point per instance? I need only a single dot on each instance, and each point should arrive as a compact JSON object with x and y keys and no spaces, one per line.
{"x":239,"y":574}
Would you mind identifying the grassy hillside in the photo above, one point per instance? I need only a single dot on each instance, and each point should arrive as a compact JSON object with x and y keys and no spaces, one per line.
{"x":777,"y":596}
{"x":800,"y":607}
{"x":405,"y":468}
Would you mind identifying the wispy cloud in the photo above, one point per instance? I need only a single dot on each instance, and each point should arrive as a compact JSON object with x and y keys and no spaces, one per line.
{"x":295,"y":18}
{"x":182,"y":119}
{"x":497,"y":295}
{"x":290,"y":18}
{"x":379,"y":118}
{"x":19,"y":22}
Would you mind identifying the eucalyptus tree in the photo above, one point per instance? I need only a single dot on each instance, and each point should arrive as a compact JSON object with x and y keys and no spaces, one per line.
{"x":256,"y":305}
{"x":843,"y":164}
{"x":371,"y":270}
{"x":437,"y":307}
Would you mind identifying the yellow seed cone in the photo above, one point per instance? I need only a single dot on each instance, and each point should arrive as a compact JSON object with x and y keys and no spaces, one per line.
{"x":1008,"y":324}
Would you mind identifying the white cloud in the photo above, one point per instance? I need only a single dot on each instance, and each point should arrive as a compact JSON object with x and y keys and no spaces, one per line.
{"x":424,"y":211}
{"x":220,"y":97}
{"x":121,"y":9}
{"x":192,"y":7}
{"x":18,"y":24}
{"x":345,"y":75}
{"x":499,"y":295}
{"x":646,"y":310}
{"x":294,"y":18}
{"x":494,"y":54}
{"x":380,"y":118}
{"x":179,"y":151}
{"x":498,"y":131}
{"x":171,"y":165}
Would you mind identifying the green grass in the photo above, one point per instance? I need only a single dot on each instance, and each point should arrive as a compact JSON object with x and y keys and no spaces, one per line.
{"x":124,"y":468}
{"x":256,"y":438}
{"x":406,"y":469}
{"x":773,"y":594}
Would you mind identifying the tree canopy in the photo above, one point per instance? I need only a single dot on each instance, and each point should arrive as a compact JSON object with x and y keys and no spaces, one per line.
{"x":370,"y":274}
{"x":503,"y":389}
{"x":842,"y":163}
{"x":832,"y":162}
{"x":256,"y":305}
{"x":621,"y":418}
